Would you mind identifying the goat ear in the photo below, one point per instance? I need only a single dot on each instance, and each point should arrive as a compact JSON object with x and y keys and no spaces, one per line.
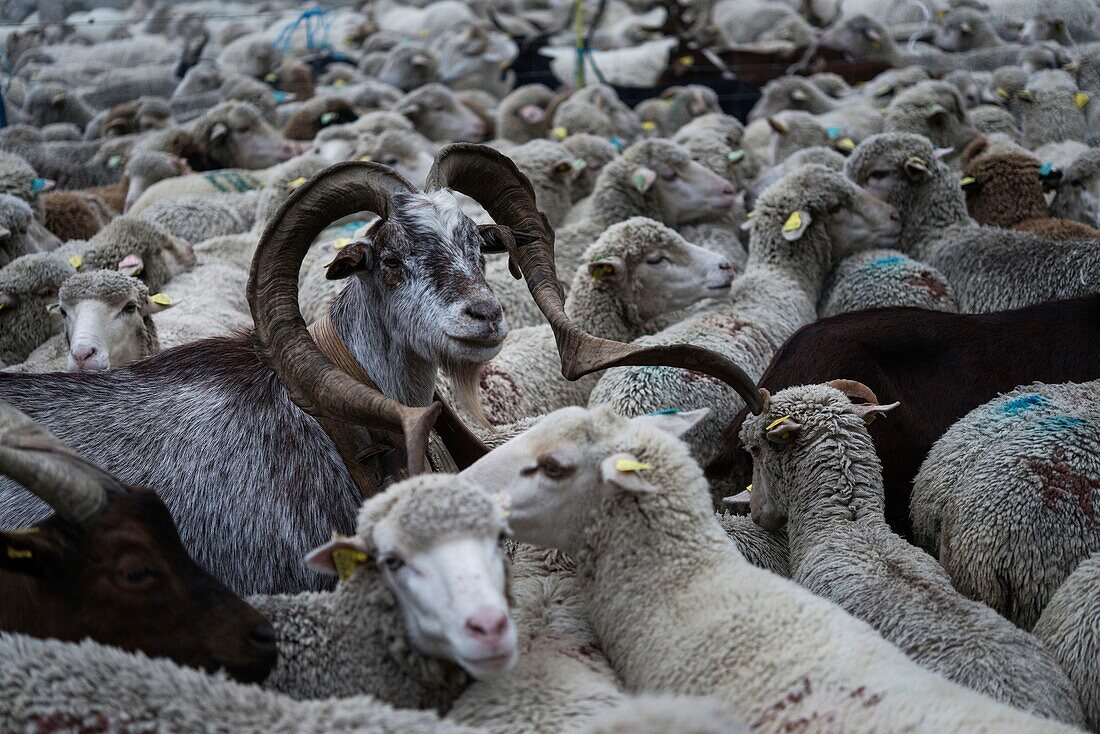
{"x":497,"y":238}
{"x":783,"y":430}
{"x":338,"y":557}
{"x":356,"y":257}
{"x":131,"y":265}
{"x":31,"y":553}
{"x":673,"y":421}
{"x":869,"y":411}
{"x":643,"y":178}
{"x":218,"y":132}
{"x":608,"y":270}
{"x":624,"y":472}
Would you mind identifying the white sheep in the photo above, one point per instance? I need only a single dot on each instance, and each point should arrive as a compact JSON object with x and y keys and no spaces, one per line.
{"x":676,"y":607}
{"x":815,"y":470}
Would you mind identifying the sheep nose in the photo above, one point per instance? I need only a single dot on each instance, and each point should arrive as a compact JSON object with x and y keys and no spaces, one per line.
{"x":895,"y":217}
{"x":263,"y":638}
{"x":728,"y":190}
{"x":487,"y":310}
{"x":82,"y":353}
{"x":725,"y":265}
{"x":487,"y":624}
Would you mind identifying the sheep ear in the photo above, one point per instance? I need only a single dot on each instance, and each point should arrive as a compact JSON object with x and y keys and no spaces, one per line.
{"x":219,"y":131}
{"x":1049,"y":177}
{"x":356,"y":257}
{"x":869,"y":411}
{"x":778,"y":126}
{"x":936,"y":114}
{"x":625,"y":472}
{"x":157,"y":302}
{"x":643,"y":178}
{"x":131,"y":265}
{"x":532,"y":113}
{"x":799,"y":95}
{"x":966,"y":28}
{"x":796,"y":225}
{"x":338,"y":557}
{"x":411,"y":111}
{"x":917,"y":169}
{"x":608,"y":269}
{"x":783,"y":430}
{"x":673,"y":421}
{"x":872,"y":35}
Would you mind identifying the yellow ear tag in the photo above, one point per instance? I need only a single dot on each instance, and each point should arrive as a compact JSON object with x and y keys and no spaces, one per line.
{"x":649,"y":125}
{"x":776,"y":422}
{"x":161,"y":299}
{"x":631,"y":465}
{"x":365,"y":158}
{"x":424,"y":32}
{"x":966,"y":181}
{"x":346,"y":561}
{"x":1002,"y":92}
{"x":560,"y":133}
{"x":793,"y":223}
{"x":340,"y":83}
{"x":686,"y":60}
{"x":296,"y":182}
{"x":271,"y":78}
{"x":602,"y":271}
{"x":341,"y":243}
{"x":17,"y":553}
{"x":59,"y":97}
{"x":1081,"y":99}
{"x":915,"y":159}
{"x":76,"y":261}
{"x":748,"y":488}
{"x":847,"y":144}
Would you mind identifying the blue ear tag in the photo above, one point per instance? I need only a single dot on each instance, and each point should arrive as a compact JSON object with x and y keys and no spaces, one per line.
{"x":666,"y":411}
{"x":38,"y":184}
{"x":1046,"y":169}
{"x":279,"y":96}
{"x":833,"y":132}
{"x":616,"y":142}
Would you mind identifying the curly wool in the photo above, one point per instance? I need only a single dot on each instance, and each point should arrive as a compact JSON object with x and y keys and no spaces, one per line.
{"x":884,"y":278}
{"x":1070,"y":627}
{"x":596,"y":152}
{"x":130,"y":236}
{"x":353,"y":640}
{"x":549,"y":168}
{"x":1050,"y":112}
{"x":109,"y":286}
{"x":1007,"y":497}
{"x":828,"y":483}
{"x":15,"y":216}
{"x":665,"y":582}
{"x":72,"y":216}
{"x":34,"y":280}
{"x":657,"y":714}
{"x":51,"y":685}
{"x":911,"y":111}
{"x":1006,"y":192}
{"x":754,"y":323}
{"x":514,"y":128}
{"x":198,"y":218}
{"x":990,"y":269}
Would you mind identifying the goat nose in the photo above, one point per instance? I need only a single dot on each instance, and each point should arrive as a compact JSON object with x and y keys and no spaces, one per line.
{"x":487,"y":624}
{"x":83,"y":353}
{"x":262,"y":638}
{"x":486,"y":310}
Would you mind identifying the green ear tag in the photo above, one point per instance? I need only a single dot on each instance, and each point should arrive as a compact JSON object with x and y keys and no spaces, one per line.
{"x":346,"y":561}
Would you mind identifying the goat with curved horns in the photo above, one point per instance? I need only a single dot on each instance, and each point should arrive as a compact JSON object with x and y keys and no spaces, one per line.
{"x":109,"y":565}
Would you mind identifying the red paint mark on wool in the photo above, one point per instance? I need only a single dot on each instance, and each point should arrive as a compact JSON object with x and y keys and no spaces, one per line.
{"x":928,"y":282}
{"x":1061,"y":485}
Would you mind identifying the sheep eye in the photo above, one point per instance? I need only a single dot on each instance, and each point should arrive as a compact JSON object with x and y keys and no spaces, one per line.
{"x":130,"y":308}
{"x":878,"y":175}
{"x":390,"y":160}
{"x":552,"y":469}
{"x":670,"y":176}
{"x":657,"y":259}
{"x":835,"y":208}
{"x":393,"y":563}
{"x":47,"y":292}
{"x":1078,"y":183}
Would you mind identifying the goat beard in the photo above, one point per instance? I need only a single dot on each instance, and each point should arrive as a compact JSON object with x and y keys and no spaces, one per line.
{"x":466,"y":379}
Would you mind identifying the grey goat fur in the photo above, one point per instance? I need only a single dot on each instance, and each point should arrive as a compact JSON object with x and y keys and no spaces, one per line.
{"x":815,"y":467}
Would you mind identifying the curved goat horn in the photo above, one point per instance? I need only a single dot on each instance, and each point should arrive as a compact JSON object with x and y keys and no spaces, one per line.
{"x":280,"y":337}
{"x":73,"y":487}
{"x":854,"y":389}
{"x":493,"y":181}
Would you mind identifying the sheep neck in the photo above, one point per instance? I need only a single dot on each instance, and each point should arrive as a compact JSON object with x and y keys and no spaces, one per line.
{"x":616,"y":200}
{"x":600,"y":310}
{"x":398,"y":371}
{"x":928,"y":214}
{"x":837,"y":485}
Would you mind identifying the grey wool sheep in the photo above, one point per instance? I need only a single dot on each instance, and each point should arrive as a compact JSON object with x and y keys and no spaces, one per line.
{"x":664,"y":582}
{"x":965,"y":29}
{"x":20,"y":233}
{"x":551,"y":168}
{"x":136,"y":247}
{"x":881,"y":90}
{"x":438,"y":114}
{"x":198,"y":218}
{"x":521,"y":115}
{"x":654,"y":714}
{"x":802,"y":226}
{"x":376,"y":633}
{"x":1077,"y":195}
{"x":49,"y":103}
{"x":1070,"y":627}
{"x":636,"y":271}
{"x":816,"y":471}
{"x":51,"y":684}
{"x":596,"y":152}
{"x":716,"y":141}
{"x":990,"y":119}
{"x":935,"y":110}
{"x":1051,"y":109}
{"x":793,"y":131}
{"x":818,"y":155}
{"x":596,"y":109}
{"x":990,"y":269}
{"x":1007,"y":497}
{"x":883,"y":278}
{"x":676,"y":107}
{"x":27,"y":285}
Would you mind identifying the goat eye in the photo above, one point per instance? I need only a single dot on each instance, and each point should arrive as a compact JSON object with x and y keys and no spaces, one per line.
{"x":393,"y":563}
{"x":391,"y":262}
{"x":140,"y":577}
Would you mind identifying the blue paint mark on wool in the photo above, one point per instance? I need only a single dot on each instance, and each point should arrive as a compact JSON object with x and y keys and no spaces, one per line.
{"x":885,"y":262}
{"x":1022,"y":403}
{"x":1058,"y":423}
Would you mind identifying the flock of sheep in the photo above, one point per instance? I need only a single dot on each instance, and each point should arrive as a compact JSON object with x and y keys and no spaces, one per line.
{"x":352,"y":384}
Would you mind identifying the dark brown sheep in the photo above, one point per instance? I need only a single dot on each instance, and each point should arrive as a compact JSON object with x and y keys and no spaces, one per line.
{"x":317,"y":114}
{"x":72,"y":215}
{"x":1006,"y":190}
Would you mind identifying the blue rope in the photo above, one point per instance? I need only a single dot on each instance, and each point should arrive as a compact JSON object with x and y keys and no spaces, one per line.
{"x":317,"y":21}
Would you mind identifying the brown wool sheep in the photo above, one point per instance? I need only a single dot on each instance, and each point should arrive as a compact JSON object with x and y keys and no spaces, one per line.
{"x":1006,"y":190}
{"x":72,"y":215}
{"x":317,"y":114}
